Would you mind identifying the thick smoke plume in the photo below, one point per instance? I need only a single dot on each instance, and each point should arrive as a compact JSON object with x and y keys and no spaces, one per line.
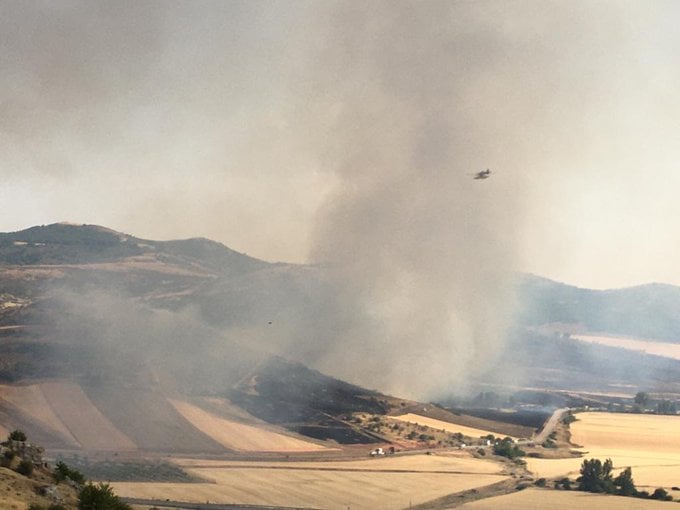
{"x":420,"y":253}
{"x":235,"y":120}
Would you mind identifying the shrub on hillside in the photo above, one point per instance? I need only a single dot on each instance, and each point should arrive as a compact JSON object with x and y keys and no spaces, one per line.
{"x":100,"y":497}
{"x":17,"y":435}
{"x":63,"y":472}
{"x":25,"y":468}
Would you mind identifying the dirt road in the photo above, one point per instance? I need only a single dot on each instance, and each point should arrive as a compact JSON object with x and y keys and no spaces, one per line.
{"x":550,"y":425}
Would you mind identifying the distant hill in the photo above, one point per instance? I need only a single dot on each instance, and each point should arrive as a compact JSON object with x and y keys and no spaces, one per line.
{"x":166,"y":344}
{"x":647,"y":311}
{"x":64,"y":243}
{"x":127,"y":334}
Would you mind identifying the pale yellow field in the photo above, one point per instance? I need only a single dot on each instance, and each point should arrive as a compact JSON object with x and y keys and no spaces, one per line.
{"x":455,"y":462}
{"x":537,"y":499}
{"x":331,"y":485}
{"x":650,"y":347}
{"x":439,"y":425}
{"x":31,"y":400}
{"x":649,"y":444}
{"x":83,"y":420}
{"x":239,"y":436}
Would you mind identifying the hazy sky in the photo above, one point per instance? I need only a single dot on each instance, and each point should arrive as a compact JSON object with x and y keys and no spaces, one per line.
{"x":234,"y":121}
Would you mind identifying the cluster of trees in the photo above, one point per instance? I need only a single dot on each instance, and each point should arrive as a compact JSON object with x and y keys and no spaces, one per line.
{"x":642,"y":401}
{"x":506,"y":447}
{"x":596,"y":476}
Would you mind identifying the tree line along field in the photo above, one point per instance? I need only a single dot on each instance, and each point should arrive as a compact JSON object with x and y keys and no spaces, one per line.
{"x":536,"y":499}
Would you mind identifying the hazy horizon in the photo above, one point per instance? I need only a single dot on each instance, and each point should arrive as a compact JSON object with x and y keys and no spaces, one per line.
{"x":256,"y":123}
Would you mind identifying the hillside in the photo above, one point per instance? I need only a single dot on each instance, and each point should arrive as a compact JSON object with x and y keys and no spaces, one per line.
{"x":165,"y":345}
{"x":647,"y":311}
{"x":110,"y":342}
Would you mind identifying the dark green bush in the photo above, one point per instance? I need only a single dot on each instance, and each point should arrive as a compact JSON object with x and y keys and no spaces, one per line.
{"x":62,"y":472}
{"x":25,"y":468}
{"x":100,"y":497}
{"x":17,"y":435}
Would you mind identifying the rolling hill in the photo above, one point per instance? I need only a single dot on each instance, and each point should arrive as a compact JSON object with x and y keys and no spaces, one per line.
{"x":647,"y":311}
{"x":107,"y":343}
{"x":163,"y":344}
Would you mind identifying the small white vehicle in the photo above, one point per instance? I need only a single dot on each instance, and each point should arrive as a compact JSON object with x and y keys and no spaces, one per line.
{"x":377,"y":451}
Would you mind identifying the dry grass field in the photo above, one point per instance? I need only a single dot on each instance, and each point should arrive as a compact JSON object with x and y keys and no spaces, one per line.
{"x":386,"y":483}
{"x":649,"y":444}
{"x":17,"y":492}
{"x":541,"y":499}
{"x":151,"y":422}
{"x":650,"y":347}
{"x":239,"y":436}
{"x":83,"y":420}
{"x":31,"y":400}
{"x":448,"y":427}
{"x":451,"y":462}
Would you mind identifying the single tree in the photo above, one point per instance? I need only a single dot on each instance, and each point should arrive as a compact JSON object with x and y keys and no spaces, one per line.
{"x":624,"y":483}
{"x":17,"y":435}
{"x":641,"y":398}
{"x":661,"y":494}
{"x":100,"y":497}
{"x":25,"y":468}
{"x":596,"y":476}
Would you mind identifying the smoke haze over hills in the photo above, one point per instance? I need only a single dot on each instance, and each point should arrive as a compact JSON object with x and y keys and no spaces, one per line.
{"x":344,"y":135}
{"x":209,"y":116}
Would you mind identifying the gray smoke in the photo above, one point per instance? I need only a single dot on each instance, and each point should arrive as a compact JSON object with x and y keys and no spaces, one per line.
{"x":420,"y":253}
{"x":235,"y":120}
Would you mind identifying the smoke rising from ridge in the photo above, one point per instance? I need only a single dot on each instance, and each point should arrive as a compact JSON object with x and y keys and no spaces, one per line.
{"x":214,"y":116}
{"x":420,"y":254}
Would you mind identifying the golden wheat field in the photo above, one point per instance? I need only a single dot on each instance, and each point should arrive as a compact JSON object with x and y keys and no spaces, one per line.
{"x":445,"y":425}
{"x":81,"y":417}
{"x":453,"y":462}
{"x":31,"y":400}
{"x":649,"y":444}
{"x":541,"y":499}
{"x":239,"y":436}
{"x":385,"y":483}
